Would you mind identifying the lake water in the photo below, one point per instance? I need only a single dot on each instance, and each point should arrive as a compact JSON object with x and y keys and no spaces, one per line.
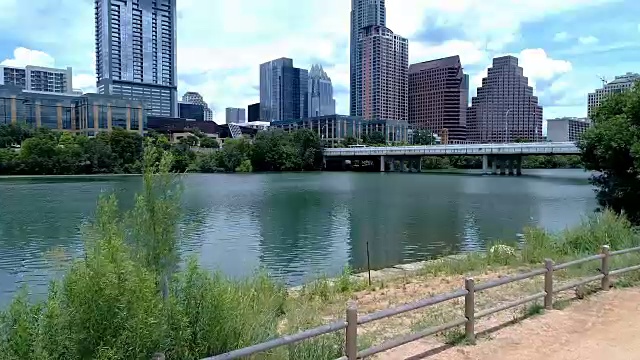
{"x":295,"y":225}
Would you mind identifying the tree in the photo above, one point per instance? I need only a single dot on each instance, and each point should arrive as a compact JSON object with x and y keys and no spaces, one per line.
{"x":423,"y":137}
{"x":374,"y":138}
{"x":611,"y":147}
{"x":349,"y":140}
{"x":209,"y":143}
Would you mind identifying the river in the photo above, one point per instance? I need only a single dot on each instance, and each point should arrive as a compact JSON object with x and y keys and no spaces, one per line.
{"x":295,"y":225}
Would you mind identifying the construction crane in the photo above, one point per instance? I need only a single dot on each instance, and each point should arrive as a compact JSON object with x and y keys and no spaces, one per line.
{"x":603,"y":79}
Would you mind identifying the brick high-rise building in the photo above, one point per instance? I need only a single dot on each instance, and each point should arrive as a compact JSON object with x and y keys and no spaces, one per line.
{"x":383,"y":78}
{"x":439,"y":97}
{"x":504,"y":110}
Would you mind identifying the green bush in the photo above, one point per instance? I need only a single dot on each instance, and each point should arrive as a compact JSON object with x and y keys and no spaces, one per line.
{"x":127,"y":299}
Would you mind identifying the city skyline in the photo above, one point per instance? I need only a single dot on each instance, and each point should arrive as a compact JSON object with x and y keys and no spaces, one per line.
{"x":225,"y":71}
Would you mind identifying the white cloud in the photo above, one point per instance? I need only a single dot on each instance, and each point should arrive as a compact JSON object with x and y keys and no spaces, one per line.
{"x":221,"y":43}
{"x":23,"y":57}
{"x":587,"y":40}
{"x":561,"y":36}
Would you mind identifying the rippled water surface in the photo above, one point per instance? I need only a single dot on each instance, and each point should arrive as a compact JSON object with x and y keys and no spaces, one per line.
{"x":294,"y":225}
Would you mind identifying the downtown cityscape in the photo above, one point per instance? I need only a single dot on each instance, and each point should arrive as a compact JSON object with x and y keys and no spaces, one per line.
{"x":319,"y":180}
{"x":136,"y":68}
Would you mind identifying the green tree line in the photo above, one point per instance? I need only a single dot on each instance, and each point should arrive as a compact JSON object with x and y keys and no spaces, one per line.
{"x":528,"y":162}
{"x":24,"y":151}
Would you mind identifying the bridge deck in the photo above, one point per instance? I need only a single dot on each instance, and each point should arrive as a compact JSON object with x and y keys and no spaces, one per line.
{"x":548,"y":148}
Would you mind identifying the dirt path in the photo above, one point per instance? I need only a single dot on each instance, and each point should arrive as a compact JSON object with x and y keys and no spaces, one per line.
{"x":603,"y":326}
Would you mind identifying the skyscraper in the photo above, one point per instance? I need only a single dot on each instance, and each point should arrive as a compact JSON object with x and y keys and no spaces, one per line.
{"x":283,"y":91}
{"x":504,"y":109}
{"x":438,"y":97}
{"x":383,"y":79}
{"x":321,"y":101}
{"x":364,"y":13}
{"x":193,"y":97}
{"x":136,"y":52}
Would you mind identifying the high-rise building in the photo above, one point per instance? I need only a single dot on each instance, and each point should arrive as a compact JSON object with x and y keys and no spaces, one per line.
{"x":439,"y":97}
{"x":136,"y":52}
{"x":618,"y":84}
{"x":191,"y":111}
{"x":193,"y":97}
{"x":283,"y":91}
{"x":37,"y":78}
{"x":364,"y":13}
{"x":321,"y":101}
{"x":566,"y":129}
{"x":253,"y":113}
{"x":504,"y":110}
{"x":383,"y":79}
{"x":235,"y":115}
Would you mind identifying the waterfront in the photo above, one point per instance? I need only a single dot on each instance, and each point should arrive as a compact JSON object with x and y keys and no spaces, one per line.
{"x":295,"y":225}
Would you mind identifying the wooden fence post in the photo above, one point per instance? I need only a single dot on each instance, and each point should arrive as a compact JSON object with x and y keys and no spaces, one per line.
{"x":351,"y":342}
{"x":469,"y":310}
{"x":604,"y":269}
{"x":548,"y":284}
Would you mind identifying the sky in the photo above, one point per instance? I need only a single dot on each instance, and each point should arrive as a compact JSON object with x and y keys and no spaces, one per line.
{"x":564,"y":46}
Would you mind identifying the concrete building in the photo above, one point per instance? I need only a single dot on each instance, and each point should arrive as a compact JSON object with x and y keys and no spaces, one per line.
{"x":566,"y":129}
{"x":253,"y":112}
{"x":283,"y":91}
{"x":618,"y":84}
{"x":504,"y":109}
{"x":136,"y":52}
{"x":439,"y":97}
{"x":321,"y":101}
{"x":37,"y":78}
{"x":383,"y":79}
{"x":235,"y":115}
{"x":334,"y":128}
{"x":364,"y":13}
{"x":191,"y":111}
{"x":87,"y":113}
{"x":192,"y":97}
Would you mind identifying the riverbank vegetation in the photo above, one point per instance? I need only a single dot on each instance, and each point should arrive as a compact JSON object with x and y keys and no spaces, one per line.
{"x":24,"y":151}
{"x":475,"y":162}
{"x":611,"y":147}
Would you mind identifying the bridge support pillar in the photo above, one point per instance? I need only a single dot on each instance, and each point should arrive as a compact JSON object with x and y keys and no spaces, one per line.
{"x":519,"y":166}
{"x":503,"y":167}
{"x":392,"y":164}
{"x":419,"y":161}
{"x":485,"y":164}
{"x":494,"y":165}
{"x":382,"y":163}
{"x":510,"y":164}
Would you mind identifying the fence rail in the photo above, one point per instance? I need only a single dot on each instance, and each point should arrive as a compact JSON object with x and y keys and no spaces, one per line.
{"x":350,"y":324}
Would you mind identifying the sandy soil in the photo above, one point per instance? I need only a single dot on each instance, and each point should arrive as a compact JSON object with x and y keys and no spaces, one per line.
{"x":602,"y":326}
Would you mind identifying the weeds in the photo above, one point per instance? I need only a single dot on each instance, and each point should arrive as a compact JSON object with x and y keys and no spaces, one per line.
{"x":533,"y":310}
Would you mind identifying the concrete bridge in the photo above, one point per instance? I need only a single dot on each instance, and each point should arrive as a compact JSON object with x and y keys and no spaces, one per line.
{"x":505,"y":157}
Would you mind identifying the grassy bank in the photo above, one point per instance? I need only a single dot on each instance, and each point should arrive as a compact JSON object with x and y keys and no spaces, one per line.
{"x":126,"y":298}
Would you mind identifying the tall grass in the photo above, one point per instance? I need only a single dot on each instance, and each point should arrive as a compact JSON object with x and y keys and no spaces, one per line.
{"x":587,"y":238}
{"x":126,"y":298}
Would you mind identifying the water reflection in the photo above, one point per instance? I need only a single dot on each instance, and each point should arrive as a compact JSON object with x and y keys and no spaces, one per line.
{"x":295,"y":225}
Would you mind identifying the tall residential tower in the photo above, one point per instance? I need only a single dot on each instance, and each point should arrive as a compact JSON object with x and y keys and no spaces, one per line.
{"x":504,"y":110}
{"x":283,"y":91}
{"x":364,"y":13}
{"x":618,"y":84}
{"x":321,"y":101}
{"x":136,"y":52}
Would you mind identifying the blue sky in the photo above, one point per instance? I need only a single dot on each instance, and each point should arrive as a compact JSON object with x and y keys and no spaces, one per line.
{"x":564,"y":46}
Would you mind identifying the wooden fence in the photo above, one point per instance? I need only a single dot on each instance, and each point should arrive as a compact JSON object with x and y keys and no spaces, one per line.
{"x":352,"y":320}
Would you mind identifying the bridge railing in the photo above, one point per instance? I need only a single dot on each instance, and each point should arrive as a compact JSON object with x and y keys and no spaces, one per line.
{"x":467,"y":149}
{"x":352,"y":320}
